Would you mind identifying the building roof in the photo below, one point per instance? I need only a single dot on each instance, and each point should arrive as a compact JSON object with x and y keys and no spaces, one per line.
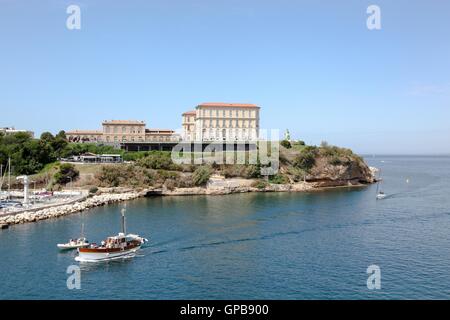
{"x":84,"y":132}
{"x":192,"y":112}
{"x":227,"y":105}
{"x":159,"y":131}
{"x":164,"y":130}
{"x":135,"y":122}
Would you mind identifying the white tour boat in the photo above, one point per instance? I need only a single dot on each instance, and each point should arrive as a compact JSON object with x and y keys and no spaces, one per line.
{"x":114,"y":247}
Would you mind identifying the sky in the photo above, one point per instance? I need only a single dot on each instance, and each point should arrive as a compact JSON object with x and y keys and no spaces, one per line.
{"x":312,"y":66}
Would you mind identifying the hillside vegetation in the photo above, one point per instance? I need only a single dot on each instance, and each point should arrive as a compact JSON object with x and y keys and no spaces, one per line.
{"x":323,"y":165}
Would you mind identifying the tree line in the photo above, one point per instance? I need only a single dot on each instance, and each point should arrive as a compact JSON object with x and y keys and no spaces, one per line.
{"x":29,"y":155}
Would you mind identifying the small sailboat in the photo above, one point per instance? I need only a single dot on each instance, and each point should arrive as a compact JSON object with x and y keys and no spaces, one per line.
{"x":380,"y":193}
{"x":75,"y":243}
{"x":114,"y":247}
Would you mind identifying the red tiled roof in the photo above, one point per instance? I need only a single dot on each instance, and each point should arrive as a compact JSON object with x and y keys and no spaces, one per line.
{"x":193,"y":112}
{"x":135,"y":122}
{"x":227,"y":105}
{"x":74,"y":132}
{"x":158,"y":130}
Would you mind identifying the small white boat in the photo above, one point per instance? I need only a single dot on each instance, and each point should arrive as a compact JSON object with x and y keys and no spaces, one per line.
{"x":380,"y":194}
{"x":74,"y":244}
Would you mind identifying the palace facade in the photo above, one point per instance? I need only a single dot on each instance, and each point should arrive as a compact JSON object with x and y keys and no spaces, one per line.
{"x":218,"y":121}
{"x":122,"y":131}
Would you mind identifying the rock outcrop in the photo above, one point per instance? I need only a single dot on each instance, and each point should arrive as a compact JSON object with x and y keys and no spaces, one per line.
{"x":324,"y":174}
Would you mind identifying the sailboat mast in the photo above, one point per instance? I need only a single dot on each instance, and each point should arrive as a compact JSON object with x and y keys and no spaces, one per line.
{"x":1,"y":176}
{"x":123,"y":221}
{"x":9,"y":178}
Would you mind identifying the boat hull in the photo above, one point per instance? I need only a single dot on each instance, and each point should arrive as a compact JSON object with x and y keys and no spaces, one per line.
{"x":70,"y":247}
{"x":95,"y":255}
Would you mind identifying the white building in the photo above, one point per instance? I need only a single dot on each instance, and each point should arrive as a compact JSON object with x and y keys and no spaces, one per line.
{"x":12,"y":130}
{"x":217,"y":121}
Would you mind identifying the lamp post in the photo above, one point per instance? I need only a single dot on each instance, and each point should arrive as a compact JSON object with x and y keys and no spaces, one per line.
{"x":34,"y":192}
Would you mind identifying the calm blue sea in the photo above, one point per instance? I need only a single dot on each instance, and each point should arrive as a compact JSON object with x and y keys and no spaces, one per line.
{"x":255,"y":246}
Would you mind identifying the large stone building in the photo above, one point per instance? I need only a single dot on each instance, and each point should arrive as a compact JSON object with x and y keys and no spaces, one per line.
{"x":116,"y":132}
{"x":216,"y":121}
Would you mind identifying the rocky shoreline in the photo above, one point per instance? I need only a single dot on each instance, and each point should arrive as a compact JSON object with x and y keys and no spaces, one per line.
{"x":216,"y":186}
{"x":66,"y":209}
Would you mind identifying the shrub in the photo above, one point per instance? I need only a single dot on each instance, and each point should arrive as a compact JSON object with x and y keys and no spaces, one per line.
{"x":250,"y":171}
{"x":306,"y":159}
{"x":170,"y":184}
{"x":125,"y":176}
{"x":201,"y":176}
{"x":93,"y":190}
{"x":185,"y":181}
{"x":163,"y":175}
{"x":278,"y":179}
{"x":260,"y":184}
{"x":67,"y":173}
{"x":335,"y":161}
{"x":286,"y":144}
{"x":158,"y":160}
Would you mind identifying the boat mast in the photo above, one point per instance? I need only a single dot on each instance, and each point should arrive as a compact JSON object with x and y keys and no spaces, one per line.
{"x":123,"y":221}
{"x":1,"y":176}
{"x":379,"y":183}
{"x":9,"y":178}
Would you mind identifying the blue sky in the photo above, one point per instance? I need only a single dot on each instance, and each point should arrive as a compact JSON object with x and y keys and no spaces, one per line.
{"x":312,"y":66}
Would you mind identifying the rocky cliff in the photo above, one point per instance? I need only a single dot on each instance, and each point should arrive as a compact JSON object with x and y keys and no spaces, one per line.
{"x":325,"y":166}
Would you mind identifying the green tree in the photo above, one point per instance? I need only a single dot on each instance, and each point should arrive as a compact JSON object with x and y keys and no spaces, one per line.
{"x":47,"y":137}
{"x":61,"y":135}
{"x":67,"y":173}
